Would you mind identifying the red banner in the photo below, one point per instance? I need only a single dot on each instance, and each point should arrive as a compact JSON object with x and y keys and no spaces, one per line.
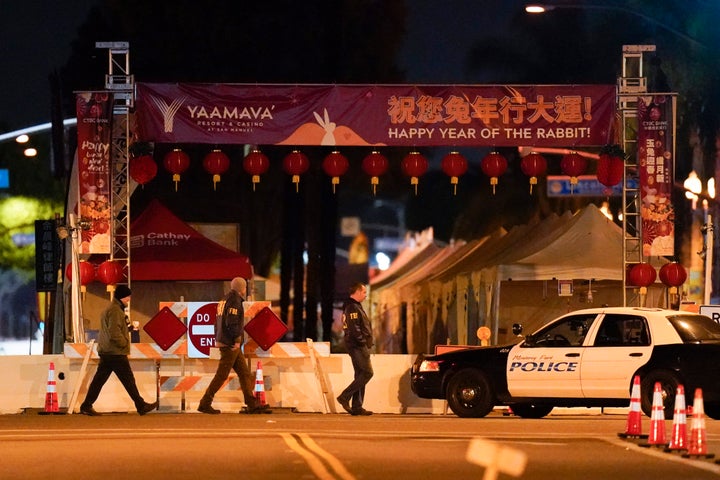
{"x":655,"y":156}
{"x":392,"y":115}
{"x":94,"y":122}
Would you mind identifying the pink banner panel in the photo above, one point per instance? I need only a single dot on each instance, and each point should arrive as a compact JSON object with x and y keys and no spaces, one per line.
{"x":655,"y":157}
{"x":94,"y":130}
{"x":376,"y":115}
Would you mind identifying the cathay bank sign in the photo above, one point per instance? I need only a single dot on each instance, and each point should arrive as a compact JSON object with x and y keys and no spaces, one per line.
{"x":167,"y":239}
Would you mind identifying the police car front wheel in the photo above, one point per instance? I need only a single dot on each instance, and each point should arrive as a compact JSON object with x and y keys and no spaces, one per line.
{"x":469,"y":393}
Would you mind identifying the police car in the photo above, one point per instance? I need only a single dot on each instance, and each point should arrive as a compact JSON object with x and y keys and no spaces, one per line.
{"x":587,"y":358}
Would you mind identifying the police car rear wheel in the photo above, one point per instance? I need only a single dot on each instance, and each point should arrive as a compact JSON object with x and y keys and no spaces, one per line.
{"x":469,"y":394}
{"x":529,"y":410}
{"x":668,"y":386}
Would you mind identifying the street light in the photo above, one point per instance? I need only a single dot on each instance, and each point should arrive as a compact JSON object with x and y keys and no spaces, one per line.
{"x":538,"y":8}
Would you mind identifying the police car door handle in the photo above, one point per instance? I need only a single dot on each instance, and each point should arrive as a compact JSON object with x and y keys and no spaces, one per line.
{"x":572,"y":354}
{"x":636,"y":354}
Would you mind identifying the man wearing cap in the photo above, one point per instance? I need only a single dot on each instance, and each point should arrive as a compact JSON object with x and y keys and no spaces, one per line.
{"x":113,"y":349}
{"x":229,"y":337}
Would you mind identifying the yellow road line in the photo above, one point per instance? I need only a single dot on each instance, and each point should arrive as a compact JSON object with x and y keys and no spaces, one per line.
{"x":335,"y":464}
{"x":311,"y":451}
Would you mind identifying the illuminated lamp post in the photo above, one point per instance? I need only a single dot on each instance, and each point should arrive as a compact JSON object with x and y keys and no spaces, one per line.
{"x":414,"y":165}
{"x":693,"y":191}
{"x":335,"y":165}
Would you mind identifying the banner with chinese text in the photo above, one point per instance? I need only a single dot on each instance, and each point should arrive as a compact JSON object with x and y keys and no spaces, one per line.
{"x":94,"y":121}
{"x":656,"y":117}
{"x":376,"y":115}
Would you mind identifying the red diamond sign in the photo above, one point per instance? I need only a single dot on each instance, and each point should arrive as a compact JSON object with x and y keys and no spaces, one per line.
{"x":165,"y":328}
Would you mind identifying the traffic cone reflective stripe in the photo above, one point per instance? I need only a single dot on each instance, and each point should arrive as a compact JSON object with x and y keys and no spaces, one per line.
{"x":634,"y":419}
{"x":657,"y":418}
{"x":51,"y":399}
{"x":697,"y":444}
{"x":259,"y":385}
{"x":678,"y":441}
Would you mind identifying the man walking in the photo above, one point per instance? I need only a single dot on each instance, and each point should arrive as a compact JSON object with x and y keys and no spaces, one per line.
{"x":358,"y":341}
{"x":229,"y":337}
{"x":113,"y":349}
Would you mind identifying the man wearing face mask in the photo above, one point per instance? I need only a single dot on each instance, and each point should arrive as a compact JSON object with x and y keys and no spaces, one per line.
{"x":113,"y":349}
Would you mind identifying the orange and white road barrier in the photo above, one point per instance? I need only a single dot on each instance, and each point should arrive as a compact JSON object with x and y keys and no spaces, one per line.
{"x":697,"y":443}
{"x":259,"y":385}
{"x":633,"y":427}
{"x":678,"y":440}
{"x":657,"y":418}
{"x":51,"y":398}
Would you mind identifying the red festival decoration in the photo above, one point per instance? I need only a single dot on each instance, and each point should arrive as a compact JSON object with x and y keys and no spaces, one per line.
{"x":256,"y":163}
{"x":335,"y":164}
{"x":573,"y":164}
{"x":216,"y":163}
{"x":375,"y":164}
{"x":454,"y":165}
{"x":672,"y":275}
{"x":493,"y":165}
{"x":87,"y":273}
{"x":110,"y":273}
{"x":142,"y":168}
{"x":611,"y":165}
{"x":533,"y":165}
{"x":642,"y":275}
{"x":296,"y":163}
{"x":414,"y":165}
{"x":176,"y":162}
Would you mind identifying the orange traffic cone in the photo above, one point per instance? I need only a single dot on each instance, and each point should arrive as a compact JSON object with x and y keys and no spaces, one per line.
{"x":657,"y":419}
{"x":51,"y":398}
{"x":678,"y":441}
{"x":259,"y":385}
{"x":634,"y":419}
{"x":697,"y":444}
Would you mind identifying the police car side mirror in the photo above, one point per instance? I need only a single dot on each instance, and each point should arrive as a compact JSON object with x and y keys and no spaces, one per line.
{"x":517,"y":329}
{"x":530,"y":341}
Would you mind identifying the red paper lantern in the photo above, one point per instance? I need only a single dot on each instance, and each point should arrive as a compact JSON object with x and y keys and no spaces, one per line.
{"x":642,"y":275}
{"x":142,"y":168}
{"x":335,"y":164}
{"x":673,"y":275}
{"x":493,"y":165}
{"x":414,"y":165}
{"x":110,"y":273}
{"x":87,"y":273}
{"x":296,"y":163}
{"x":533,"y":165}
{"x":610,"y":170}
{"x":256,"y":163}
{"x":375,"y":164}
{"x":176,"y":162}
{"x":216,"y":163}
{"x":574,"y":165}
{"x":454,"y":165}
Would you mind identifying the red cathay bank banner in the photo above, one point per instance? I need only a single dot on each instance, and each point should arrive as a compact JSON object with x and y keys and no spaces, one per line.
{"x":392,"y":115}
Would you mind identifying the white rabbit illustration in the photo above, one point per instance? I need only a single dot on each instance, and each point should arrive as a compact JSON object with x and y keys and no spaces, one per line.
{"x":329,"y":137}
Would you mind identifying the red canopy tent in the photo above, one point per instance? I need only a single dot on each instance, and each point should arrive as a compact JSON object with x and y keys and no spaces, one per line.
{"x":163,"y":247}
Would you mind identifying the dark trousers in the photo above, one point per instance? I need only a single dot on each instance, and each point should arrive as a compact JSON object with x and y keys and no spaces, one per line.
{"x":360,"y":357}
{"x":231,"y":359}
{"x":121,"y":366}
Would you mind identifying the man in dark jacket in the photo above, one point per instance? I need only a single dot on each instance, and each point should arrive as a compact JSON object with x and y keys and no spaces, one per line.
{"x":358,"y":341}
{"x":229,"y":337}
{"x":113,"y":349}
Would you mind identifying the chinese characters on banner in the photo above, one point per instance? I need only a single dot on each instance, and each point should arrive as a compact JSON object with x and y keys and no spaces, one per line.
{"x":377,"y":115}
{"x":94,"y":115}
{"x":655,"y":156}
{"x":47,"y":259}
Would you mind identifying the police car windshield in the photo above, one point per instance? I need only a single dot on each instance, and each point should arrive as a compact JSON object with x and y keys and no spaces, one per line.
{"x":695,"y":328}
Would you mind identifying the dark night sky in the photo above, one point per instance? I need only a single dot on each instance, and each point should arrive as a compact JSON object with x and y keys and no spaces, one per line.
{"x":35,"y":38}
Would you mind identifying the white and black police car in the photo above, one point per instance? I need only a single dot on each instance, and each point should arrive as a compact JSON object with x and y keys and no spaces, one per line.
{"x":587,"y":358}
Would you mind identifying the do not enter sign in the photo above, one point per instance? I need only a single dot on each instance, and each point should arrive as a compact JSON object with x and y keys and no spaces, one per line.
{"x":201,"y":328}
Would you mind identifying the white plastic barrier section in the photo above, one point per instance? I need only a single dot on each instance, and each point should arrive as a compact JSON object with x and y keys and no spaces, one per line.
{"x":291,"y":382}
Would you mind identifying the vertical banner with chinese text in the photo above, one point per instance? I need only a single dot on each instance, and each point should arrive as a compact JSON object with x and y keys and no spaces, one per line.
{"x":656,"y":148}
{"x":94,"y":115}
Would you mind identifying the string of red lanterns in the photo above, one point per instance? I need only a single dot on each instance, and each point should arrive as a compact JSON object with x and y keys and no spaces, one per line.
{"x":533,"y":165}
{"x":335,"y":165}
{"x":573,"y":164}
{"x":296,"y":163}
{"x":176,"y":162}
{"x":454,"y":165}
{"x":110,"y":272}
{"x":493,"y":165}
{"x":142,"y":168}
{"x":256,"y":163}
{"x":375,"y":164}
{"x":611,"y":165}
{"x":216,"y":163}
